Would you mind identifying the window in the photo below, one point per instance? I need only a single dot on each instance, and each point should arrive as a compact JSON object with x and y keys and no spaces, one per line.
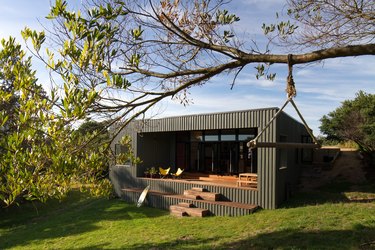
{"x":247,"y":134}
{"x":211,"y":135}
{"x":196,"y":136}
{"x":119,"y":149}
{"x":228,"y":135}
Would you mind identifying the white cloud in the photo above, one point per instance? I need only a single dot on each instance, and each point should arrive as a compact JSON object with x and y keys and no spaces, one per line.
{"x":251,"y":81}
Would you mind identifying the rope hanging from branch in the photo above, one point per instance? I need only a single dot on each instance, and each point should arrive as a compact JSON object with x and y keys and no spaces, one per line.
{"x":291,"y":93}
{"x":290,"y":86}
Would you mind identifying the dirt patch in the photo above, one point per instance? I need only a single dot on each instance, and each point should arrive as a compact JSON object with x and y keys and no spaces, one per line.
{"x":348,"y":167}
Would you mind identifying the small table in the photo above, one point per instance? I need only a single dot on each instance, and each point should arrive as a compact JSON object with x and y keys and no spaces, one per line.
{"x":249,"y":179}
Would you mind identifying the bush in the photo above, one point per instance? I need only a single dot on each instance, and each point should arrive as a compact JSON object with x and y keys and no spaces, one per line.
{"x":353,"y":121}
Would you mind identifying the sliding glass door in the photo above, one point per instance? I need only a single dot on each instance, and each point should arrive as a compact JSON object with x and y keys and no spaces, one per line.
{"x":216,"y":151}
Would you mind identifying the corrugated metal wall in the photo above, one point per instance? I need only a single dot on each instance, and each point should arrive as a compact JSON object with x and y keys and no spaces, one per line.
{"x":287,"y":178}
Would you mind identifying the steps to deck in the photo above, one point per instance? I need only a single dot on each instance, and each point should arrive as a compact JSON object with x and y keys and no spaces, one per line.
{"x":201,"y":194}
{"x":188,"y":209}
{"x":182,"y":205}
{"x":203,"y":198}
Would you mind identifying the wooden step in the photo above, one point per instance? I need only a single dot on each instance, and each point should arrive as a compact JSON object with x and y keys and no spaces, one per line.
{"x":178,"y":213}
{"x":186,"y":204}
{"x":202,"y":195}
{"x":188,"y":211}
{"x":199,"y":189}
{"x":192,"y":196}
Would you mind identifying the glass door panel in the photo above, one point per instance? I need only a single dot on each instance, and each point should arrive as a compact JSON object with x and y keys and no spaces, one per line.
{"x":228,"y":157}
{"x":247,"y":159}
{"x":211,"y":157}
{"x":182,"y":160}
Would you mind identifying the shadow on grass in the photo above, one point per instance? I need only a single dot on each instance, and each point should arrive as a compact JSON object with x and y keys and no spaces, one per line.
{"x":182,"y":243}
{"x":20,"y":226}
{"x":360,"y":237}
{"x":334,"y":192}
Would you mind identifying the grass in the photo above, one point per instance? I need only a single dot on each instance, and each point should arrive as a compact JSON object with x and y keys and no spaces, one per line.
{"x":316,"y":220}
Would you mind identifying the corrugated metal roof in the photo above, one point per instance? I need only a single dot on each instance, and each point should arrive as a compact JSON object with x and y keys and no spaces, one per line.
{"x":222,"y":120}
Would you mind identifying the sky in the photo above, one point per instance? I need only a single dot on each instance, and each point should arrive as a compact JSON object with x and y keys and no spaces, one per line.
{"x":321,"y":87}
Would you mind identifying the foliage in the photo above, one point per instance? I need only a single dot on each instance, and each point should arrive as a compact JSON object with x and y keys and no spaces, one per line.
{"x":332,"y":23}
{"x":324,"y":141}
{"x":354,"y":120}
{"x":41,"y":155}
{"x":94,"y":134}
{"x":90,"y":127}
{"x":323,"y":24}
{"x":101,"y":223}
{"x":126,"y":156}
{"x":31,"y":165}
{"x":151,"y":172}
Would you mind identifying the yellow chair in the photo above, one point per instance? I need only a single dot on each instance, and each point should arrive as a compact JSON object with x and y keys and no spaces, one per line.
{"x":164,"y":172}
{"x":178,"y":173}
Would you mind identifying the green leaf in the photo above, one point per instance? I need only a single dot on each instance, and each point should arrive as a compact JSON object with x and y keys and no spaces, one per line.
{"x":3,"y":119}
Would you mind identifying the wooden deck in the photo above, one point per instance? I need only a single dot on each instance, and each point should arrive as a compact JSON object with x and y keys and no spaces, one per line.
{"x":223,"y":196}
{"x":212,"y":179}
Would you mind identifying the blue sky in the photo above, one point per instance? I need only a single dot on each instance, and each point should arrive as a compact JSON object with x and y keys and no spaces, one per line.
{"x":320,"y":87}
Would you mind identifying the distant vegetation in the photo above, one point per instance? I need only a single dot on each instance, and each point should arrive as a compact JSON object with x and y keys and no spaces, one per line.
{"x":341,"y":144}
{"x":353,"y":121}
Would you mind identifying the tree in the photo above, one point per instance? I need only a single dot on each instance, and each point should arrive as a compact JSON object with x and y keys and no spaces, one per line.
{"x":116,"y":59}
{"x":133,"y":54}
{"x":96,"y":132}
{"x":354,"y":121}
{"x":327,"y":23}
{"x":94,"y":136}
{"x":40,"y":155}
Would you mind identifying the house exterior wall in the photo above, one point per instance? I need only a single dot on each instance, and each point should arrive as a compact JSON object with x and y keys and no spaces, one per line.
{"x":155,"y":137}
{"x":287,"y":178}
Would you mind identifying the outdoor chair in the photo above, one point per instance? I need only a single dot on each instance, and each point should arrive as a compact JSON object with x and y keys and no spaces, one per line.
{"x":164,"y":172}
{"x":178,"y":173}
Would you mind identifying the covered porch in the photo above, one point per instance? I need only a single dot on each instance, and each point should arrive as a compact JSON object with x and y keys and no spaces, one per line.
{"x":201,"y":153}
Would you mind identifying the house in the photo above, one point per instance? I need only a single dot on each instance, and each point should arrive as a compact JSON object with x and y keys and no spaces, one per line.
{"x":214,"y":146}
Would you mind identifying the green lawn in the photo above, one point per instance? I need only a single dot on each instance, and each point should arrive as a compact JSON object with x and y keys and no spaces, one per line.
{"x":320,"y":220}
